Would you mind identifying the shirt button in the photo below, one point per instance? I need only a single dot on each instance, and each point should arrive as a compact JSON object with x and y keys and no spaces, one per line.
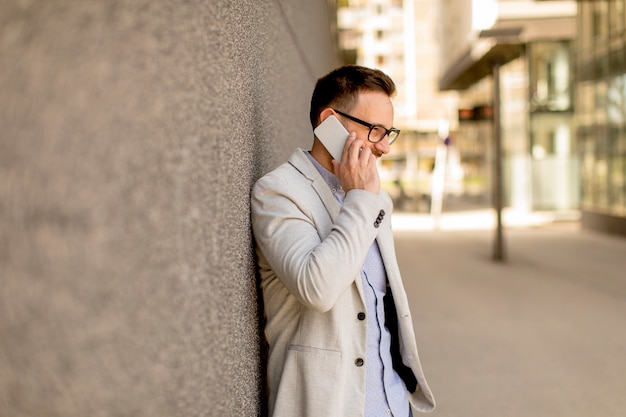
{"x":361,"y":316}
{"x":359,"y":362}
{"x":388,"y":411}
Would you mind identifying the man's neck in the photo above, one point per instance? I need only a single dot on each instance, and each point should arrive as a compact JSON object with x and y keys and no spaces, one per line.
{"x":321,"y":155}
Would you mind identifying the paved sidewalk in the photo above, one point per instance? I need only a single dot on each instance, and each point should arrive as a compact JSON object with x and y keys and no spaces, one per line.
{"x":541,"y":335}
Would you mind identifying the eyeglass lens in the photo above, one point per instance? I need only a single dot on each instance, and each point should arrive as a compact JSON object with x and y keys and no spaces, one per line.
{"x":377,"y":133}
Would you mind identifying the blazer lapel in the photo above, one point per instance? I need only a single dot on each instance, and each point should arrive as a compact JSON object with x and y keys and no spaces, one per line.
{"x":301,"y":162}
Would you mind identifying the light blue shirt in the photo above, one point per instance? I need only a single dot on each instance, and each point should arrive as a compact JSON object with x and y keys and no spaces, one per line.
{"x":385,"y":392}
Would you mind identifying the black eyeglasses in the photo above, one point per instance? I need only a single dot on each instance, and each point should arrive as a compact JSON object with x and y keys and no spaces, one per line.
{"x":377,"y":132}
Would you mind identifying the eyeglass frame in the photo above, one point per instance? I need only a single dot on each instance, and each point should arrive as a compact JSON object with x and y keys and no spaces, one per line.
{"x":371,"y":127}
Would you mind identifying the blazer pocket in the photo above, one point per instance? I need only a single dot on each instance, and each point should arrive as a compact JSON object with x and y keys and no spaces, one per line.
{"x":312,"y":383}
{"x":315,"y":351}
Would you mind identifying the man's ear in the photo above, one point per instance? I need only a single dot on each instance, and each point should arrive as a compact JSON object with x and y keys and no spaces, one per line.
{"x":325,"y":113}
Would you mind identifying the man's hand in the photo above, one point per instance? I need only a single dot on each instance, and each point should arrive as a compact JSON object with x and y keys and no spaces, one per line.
{"x":357,"y":169}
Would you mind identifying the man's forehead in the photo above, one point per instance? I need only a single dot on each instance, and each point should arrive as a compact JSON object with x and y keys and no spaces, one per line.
{"x":374,"y":101}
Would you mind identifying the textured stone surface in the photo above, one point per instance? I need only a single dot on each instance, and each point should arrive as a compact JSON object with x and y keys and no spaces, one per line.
{"x":130,"y":135}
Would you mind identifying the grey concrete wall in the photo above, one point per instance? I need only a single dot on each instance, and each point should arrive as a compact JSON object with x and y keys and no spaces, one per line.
{"x":130,"y":135}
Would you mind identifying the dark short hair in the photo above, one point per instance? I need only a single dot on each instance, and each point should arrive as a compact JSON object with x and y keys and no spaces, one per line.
{"x":341,"y":87}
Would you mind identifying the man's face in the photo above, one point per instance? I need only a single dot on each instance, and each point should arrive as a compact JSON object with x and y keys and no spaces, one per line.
{"x":373,"y":107}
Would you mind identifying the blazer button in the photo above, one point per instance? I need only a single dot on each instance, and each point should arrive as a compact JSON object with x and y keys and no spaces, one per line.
{"x":361,"y":316}
{"x":359,"y":362}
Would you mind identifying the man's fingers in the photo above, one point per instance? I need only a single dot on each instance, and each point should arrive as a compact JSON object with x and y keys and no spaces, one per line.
{"x":366,"y":155}
{"x":355,"y":149}
{"x":346,"y":147}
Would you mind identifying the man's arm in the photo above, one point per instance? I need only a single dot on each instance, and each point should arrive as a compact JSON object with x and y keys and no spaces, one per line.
{"x":316,"y":271}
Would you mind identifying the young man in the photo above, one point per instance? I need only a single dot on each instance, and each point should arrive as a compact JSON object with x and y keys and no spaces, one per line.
{"x":340,"y":333}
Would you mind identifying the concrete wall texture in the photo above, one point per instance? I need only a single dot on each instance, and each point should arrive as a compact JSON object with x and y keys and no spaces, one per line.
{"x":130,"y":135}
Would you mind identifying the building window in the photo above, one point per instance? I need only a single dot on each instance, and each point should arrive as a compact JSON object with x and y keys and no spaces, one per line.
{"x":601,"y":106}
{"x":600,"y":20}
{"x":550,"y":76}
{"x":616,"y":18}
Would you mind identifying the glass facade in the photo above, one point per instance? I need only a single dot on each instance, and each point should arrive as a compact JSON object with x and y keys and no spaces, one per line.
{"x":554,"y":164}
{"x":540,"y":164}
{"x":600,"y":122}
{"x":474,"y":141}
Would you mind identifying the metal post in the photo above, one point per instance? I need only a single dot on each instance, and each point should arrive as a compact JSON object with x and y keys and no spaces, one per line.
{"x":498,"y":249}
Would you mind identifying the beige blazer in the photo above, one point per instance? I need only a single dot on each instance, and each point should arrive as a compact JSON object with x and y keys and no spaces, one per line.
{"x":310,"y":255}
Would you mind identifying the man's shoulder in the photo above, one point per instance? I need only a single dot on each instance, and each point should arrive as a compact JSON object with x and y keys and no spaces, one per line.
{"x":286,"y":172}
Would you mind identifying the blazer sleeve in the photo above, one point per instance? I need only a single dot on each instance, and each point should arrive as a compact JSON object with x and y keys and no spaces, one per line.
{"x":316,"y":266}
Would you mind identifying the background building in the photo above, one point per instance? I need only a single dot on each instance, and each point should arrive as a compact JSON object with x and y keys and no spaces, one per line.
{"x":399,"y":38}
{"x":532,"y":44}
{"x":601,"y":113}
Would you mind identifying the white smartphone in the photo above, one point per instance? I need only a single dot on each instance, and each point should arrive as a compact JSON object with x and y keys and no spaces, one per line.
{"x":333,"y":136}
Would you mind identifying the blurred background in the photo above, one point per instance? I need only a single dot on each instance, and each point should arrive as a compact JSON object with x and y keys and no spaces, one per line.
{"x":561,"y":102}
{"x":131,"y":133}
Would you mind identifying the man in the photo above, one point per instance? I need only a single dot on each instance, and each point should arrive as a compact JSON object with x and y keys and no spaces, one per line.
{"x":340,"y":333}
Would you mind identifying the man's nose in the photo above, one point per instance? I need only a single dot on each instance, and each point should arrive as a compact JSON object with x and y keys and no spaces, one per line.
{"x":383,"y":145}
